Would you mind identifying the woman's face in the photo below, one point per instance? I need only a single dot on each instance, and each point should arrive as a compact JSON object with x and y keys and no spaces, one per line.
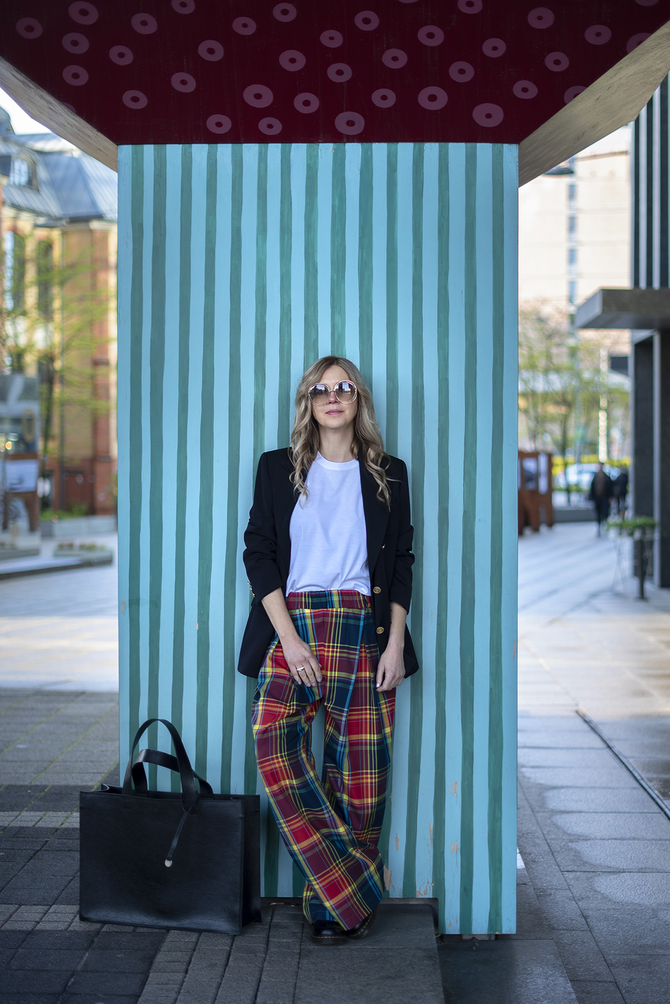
{"x":333,"y":414}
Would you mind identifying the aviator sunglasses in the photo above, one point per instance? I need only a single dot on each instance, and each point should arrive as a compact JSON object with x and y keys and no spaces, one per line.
{"x":345,"y":392}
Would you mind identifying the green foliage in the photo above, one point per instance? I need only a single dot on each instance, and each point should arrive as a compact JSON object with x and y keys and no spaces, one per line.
{"x":631,"y":524}
{"x":76,"y":510}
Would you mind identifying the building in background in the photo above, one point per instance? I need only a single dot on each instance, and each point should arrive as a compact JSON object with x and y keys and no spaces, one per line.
{"x":58,"y":209}
{"x":644,"y":307}
{"x":574,"y":237}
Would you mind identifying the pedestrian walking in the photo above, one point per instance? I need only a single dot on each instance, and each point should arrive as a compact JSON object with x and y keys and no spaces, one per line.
{"x":620,"y":490}
{"x":600,"y":493}
{"x":329,"y":560}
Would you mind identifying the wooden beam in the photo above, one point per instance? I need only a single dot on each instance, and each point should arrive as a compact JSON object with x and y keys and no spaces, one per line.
{"x":612,"y":101}
{"x":43,"y":107}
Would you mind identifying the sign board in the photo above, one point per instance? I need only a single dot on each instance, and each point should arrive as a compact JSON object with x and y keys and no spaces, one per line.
{"x":19,"y":475}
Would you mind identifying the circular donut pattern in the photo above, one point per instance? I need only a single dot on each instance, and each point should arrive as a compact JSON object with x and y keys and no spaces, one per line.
{"x":270,"y":126}
{"x":218,"y":124}
{"x":306,"y":103}
{"x":339,"y":72}
{"x":432,"y":98}
{"x":183,"y":6}
{"x":144,"y":24}
{"x":572,"y":92}
{"x":121,"y":54}
{"x":211,"y":50}
{"x":384,"y":97}
{"x":349,"y":123}
{"x":244,"y":26}
{"x":636,"y":40}
{"x":461,"y":71}
{"x":494,"y":47}
{"x":292,"y":60}
{"x":488,"y":115}
{"x":258,"y":95}
{"x":525,"y":89}
{"x":598,"y":34}
{"x":556,"y":61}
{"x":366,"y":20}
{"x":430,"y":34}
{"x":83,"y":13}
{"x":183,"y":82}
{"x":284,"y":11}
{"x":331,"y":39}
{"x":29,"y":27}
{"x":541,"y":17}
{"x":74,"y":42}
{"x":470,"y":6}
{"x":75,"y":75}
{"x":395,"y":59}
{"x":135,"y":99}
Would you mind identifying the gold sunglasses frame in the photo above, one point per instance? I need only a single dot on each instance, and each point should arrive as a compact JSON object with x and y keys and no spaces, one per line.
{"x":333,"y":390}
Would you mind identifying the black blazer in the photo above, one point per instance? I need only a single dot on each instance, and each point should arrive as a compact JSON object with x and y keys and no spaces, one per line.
{"x":268,"y":552}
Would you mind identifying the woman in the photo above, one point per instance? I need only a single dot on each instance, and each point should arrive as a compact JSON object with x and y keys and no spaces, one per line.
{"x":328,"y":555}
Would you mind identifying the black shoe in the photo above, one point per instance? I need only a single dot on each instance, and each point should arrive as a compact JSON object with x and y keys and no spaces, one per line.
{"x":328,"y":932}
{"x":363,"y":929}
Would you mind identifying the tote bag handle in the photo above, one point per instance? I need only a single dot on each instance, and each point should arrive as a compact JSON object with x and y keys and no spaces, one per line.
{"x":186,"y":772}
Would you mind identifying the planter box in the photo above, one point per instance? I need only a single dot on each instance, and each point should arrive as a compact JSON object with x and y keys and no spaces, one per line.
{"x":574,"y":514}
{"x":80,"y":526}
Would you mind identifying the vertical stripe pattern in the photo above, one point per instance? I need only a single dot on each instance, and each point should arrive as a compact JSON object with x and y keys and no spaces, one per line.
{"x":238,"y":266}
{"x":650,"y":257}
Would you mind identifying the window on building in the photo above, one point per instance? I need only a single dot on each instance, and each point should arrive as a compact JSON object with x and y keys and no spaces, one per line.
{"x":572,"y":256}
{"x":572,"y":291}
{"x":572,"y":226}
{"x":572,"y":194}
{"x":15,"y":271}
{"x":21,"y":172}
{"x":45,"y":280}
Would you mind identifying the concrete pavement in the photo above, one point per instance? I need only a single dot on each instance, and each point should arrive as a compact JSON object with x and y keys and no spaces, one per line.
{"x":594,"y":875}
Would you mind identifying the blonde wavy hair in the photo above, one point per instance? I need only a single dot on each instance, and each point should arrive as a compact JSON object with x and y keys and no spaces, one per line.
{"x":367,"y":444}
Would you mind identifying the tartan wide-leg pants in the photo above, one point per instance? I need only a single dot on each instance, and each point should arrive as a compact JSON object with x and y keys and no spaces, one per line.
{"x":330,"y":826}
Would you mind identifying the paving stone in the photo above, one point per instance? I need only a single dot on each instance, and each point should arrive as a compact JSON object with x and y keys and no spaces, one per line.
{"x":560,"y":910}
{"x":12,"y":939}
{"x":643,"y":979}
{"x":581,"y":956}
{"x":104,"y":961}
{"x":47,"y":959}
{"x":58,"y":940}
{"x":139,"y":940}
{"x":527,"y":972}
{"x":588,"y":992}
{"x":113,"y":983}
{"x":16,"y":981}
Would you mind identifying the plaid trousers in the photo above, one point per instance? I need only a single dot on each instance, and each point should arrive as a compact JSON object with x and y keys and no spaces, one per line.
{"x":330,"y":826}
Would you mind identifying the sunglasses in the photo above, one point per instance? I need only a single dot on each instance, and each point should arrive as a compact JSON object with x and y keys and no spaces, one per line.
{"x":345,"y":392}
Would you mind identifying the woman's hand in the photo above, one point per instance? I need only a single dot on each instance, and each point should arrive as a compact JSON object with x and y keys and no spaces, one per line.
{"x":302,"y":663}
{"x":391,"y":668}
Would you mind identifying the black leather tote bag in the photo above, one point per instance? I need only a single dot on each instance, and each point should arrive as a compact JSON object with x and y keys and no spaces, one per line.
{"x":188,"y":859}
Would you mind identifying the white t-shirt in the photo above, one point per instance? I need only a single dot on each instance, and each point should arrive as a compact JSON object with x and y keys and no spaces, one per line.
{"x":328,"y":538}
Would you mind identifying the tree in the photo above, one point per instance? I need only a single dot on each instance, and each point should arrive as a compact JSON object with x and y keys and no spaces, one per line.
{"x":50,"y":321}
{"x":563,"y":386}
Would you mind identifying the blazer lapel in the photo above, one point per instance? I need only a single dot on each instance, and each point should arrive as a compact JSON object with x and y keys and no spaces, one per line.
{"x":285,"y":499}
{"x":376,"y":515}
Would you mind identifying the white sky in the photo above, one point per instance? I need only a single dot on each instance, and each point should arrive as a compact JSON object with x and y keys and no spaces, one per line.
{"x":21,"y":121}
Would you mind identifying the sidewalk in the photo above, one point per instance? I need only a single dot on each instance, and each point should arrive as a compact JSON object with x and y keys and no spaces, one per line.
{"x":594,"y":875}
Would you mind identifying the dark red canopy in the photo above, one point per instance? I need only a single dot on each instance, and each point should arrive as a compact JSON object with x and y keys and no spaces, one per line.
{"x":192,"y":71}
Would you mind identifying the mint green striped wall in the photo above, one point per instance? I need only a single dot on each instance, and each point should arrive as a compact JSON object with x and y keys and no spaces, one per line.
{"x":238,"y":266}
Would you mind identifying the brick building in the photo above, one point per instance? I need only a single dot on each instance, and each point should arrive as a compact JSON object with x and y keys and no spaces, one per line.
{"x":58,"y":227}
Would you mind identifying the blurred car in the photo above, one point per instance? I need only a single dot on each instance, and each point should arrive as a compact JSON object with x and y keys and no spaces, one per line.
{"x":581,"y":475}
